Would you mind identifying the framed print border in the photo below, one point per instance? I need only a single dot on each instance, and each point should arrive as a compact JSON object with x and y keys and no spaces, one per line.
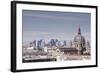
{"x":14,"y":34}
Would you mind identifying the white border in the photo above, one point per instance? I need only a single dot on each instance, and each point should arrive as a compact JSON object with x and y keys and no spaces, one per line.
{"x":21,"y":65}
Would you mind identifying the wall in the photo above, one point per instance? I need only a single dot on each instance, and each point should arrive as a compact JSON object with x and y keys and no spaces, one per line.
{"x":5,"y":36}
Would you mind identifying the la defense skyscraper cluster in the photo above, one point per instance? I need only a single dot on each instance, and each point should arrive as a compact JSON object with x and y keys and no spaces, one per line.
{"x":56,"y":50}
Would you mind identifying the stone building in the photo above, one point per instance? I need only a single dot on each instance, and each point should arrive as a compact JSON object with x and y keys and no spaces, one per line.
{"x":79,"y":42}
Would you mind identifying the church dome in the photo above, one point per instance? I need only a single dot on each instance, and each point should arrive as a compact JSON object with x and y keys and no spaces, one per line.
{"x":79,"y":42}
{"x":79,"y":39}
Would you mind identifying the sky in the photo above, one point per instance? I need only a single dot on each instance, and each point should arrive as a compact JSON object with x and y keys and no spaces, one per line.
{"x":54,"y":25}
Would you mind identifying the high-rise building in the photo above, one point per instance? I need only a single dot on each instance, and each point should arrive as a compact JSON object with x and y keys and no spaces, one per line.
{"x":64,"y":43}
{"x":42,"y":43}
{"x":34,"y":44}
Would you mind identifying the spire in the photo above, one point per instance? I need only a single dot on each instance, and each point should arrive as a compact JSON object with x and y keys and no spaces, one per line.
{"x":79,"y":30}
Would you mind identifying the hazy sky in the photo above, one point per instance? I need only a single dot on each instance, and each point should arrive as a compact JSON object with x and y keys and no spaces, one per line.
{"x":54,"y":25}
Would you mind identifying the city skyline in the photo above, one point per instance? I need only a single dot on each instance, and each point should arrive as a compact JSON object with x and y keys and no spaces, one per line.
{"x":54,"y":25}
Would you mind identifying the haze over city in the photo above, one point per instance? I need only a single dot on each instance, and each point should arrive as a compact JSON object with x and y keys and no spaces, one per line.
{"x":54,"y":25}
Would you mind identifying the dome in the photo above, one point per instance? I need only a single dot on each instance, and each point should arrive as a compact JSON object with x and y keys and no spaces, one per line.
{"x":79,"y":42}
{"x":79,"y":39}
